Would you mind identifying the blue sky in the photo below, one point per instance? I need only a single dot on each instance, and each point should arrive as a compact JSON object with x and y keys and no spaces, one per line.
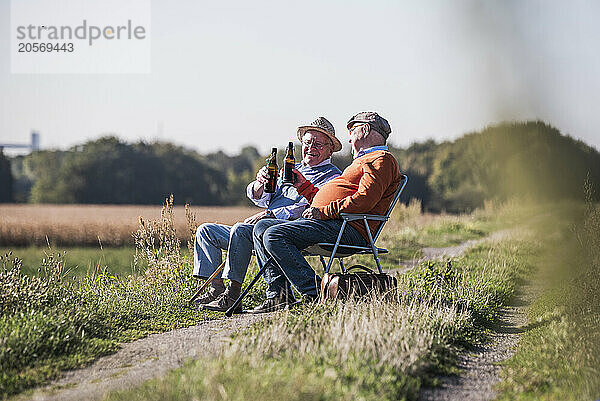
{"x":229,"y":74}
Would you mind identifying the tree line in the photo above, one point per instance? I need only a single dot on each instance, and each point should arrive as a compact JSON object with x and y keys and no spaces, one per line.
{"x":512,"y":159}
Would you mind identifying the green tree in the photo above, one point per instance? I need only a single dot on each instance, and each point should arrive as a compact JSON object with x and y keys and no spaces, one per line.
{"x":111,"y":171}
{"x":511,"y":159}
{"x":44,"y":168}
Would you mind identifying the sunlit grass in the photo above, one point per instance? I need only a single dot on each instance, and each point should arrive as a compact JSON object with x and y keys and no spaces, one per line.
{"x":367,"y":349}
{"x":559,"y":355}
{"x":79,"y":261}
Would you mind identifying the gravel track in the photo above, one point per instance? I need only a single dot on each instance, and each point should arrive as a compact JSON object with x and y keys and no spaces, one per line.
{"x":479,"y":368}
{"x":144,"y":359}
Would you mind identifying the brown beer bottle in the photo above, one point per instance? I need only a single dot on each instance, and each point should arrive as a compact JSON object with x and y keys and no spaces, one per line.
{"x":289,"y":164}
{"x":272,"y":168}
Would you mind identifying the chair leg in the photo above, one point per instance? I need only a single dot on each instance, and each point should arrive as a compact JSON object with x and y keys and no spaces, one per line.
{"x":335,"y":247}
{"x":238,"y":301}
{"x":372,"y":244}
{"x":217,"y":271}
{"x":376,"y":256}
{"x":323,"y":262}
{"x":342,"y":265}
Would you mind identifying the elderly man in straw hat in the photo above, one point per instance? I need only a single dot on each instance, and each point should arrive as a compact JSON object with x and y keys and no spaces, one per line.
{"x":318,"y":143}
{"x":367,"y":186}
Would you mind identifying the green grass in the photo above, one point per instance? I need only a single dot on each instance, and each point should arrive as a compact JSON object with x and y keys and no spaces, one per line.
{"x":79,"y":261}
{"x":373,"y":350}
{"x":51,"y":321}
{"x":559,"y":355}
{"x":54,"y":318}
{"x":378,"y":350}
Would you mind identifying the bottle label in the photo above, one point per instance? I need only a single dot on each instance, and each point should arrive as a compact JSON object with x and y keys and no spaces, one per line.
{"x":272,"y":182}
{"x":288,"y":175}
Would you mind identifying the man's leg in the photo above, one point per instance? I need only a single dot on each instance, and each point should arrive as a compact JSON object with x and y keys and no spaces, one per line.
{"x":284,"y":242}
{"x":210,"y":239}
{"x":236,"y":266}
{"x":239,"y":252}
{"x":277,"y":283}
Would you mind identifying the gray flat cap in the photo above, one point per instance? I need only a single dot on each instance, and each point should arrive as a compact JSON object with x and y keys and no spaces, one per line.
{"x":376,"y":122}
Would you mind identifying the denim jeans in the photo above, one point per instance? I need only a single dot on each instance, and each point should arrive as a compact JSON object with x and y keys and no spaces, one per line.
{"x":211,"y":238}
{"x":276,"y":281}
{"x":285,"y":241}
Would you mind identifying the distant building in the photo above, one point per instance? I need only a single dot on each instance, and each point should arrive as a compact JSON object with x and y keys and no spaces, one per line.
{"x":33,"y":146}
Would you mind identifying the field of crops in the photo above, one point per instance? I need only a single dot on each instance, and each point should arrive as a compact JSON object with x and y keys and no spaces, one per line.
{"x":92,"y":225}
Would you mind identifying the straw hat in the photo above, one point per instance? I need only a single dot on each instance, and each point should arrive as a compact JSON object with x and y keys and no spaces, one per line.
{"x":322,"y":125}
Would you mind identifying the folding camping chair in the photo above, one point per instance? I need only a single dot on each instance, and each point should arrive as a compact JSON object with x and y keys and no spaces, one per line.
{"x":336,"y":250}
{"x":339,"y":251}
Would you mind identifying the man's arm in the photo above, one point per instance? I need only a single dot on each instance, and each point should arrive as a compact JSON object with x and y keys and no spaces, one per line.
{"x":255,"y":190}
{"x":262,"y":201}
{"x":304,"y":187}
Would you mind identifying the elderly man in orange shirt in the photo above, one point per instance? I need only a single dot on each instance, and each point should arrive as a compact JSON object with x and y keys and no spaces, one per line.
{"x":368,"y":186}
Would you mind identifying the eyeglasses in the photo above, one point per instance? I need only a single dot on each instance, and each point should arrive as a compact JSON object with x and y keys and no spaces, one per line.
{"x":355,"y":126}
{"x":314,"y":144}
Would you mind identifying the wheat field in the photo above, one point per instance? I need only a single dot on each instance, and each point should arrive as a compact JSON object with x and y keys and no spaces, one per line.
{"x":108,"y":225}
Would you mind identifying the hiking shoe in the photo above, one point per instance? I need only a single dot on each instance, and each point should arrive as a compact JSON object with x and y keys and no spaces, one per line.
{"x":274,"y":304}
{"x":222,"y":303}
{"x":209,"y":296}
{"x":305,"y":300}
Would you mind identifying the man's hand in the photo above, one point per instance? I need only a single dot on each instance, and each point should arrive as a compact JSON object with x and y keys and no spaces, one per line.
{"x":312,"y":213}
{"x":299,"y":178}
{"x":256,"y":217}
{"x":263,"y":175}
{"x":259,"y":185}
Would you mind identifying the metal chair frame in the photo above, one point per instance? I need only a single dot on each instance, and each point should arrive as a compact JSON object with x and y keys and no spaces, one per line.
{"x":339,"y":251}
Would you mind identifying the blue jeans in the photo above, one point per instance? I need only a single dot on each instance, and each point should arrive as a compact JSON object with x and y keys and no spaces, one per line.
{"x":276,"y":281}
{"x":285,"y":241}
{"x":211,"y":238}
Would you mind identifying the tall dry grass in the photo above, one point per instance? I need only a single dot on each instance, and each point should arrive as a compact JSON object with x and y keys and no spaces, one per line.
{"x":89,"y":225}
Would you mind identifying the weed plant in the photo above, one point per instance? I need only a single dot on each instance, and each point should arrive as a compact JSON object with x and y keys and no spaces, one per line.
{"x":53,"y":321}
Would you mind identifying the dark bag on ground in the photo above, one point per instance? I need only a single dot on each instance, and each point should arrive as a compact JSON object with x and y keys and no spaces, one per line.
{"x":356,"y":285}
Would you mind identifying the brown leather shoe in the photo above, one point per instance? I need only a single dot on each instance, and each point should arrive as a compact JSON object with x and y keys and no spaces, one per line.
{"x":222,"y":303}
{"x":209,"y":296}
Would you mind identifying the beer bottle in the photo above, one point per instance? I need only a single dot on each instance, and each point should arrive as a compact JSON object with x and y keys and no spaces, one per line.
{"x":272,"y":168}
{"x":289,"y":164}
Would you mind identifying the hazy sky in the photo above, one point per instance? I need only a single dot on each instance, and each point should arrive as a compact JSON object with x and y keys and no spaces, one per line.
{"x":231,"y":73}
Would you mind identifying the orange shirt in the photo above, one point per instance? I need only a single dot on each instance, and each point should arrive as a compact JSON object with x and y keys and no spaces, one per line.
{"x":368,"y":186}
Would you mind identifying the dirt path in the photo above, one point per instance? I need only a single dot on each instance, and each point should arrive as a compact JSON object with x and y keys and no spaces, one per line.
{"x":479,"y":368}
{"x":143,"y":359}
{"x":451,"y":251}
{"x":157,"y":354}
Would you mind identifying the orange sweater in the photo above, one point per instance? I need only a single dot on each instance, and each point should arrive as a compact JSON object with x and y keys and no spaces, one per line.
{"x":368,"y":186}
